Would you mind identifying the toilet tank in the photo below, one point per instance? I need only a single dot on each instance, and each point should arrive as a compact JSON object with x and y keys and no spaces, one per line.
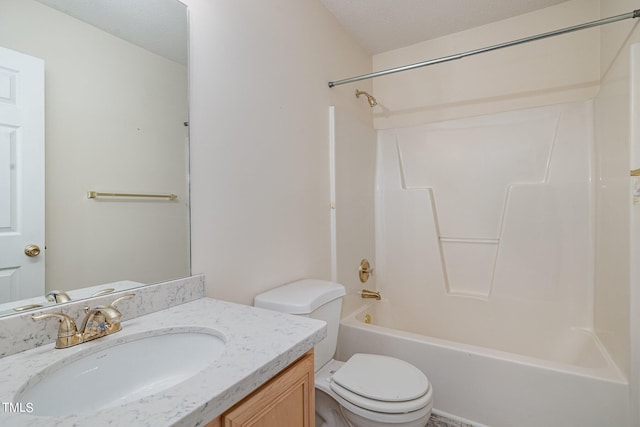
{"x":318,"y":299}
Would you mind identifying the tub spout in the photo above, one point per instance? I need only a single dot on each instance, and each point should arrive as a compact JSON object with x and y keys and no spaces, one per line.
{"x":366,"y":293}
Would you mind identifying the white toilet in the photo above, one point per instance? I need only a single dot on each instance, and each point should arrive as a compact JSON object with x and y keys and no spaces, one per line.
{"x":367,"y":390}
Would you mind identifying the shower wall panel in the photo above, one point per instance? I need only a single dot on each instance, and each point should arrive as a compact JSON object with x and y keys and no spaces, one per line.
{"x":496,"y":208}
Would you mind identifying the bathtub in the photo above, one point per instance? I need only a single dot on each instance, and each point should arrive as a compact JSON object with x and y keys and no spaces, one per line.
{"x":565,"y":380}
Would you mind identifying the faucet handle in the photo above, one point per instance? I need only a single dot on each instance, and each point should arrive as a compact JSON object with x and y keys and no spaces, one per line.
{"x":103,"y":320}
{"x":67,"y":332}
{"x":113,"y":314}
{"x":365,"y":270}
{"x":122,"y":298}
{"x":67,"y":325}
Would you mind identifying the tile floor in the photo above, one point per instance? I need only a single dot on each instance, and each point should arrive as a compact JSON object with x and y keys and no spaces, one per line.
{"x":439,"y":421}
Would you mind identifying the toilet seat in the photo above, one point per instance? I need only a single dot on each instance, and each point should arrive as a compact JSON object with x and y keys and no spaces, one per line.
{"x":382,"y":406}
{"x":382,"y":384}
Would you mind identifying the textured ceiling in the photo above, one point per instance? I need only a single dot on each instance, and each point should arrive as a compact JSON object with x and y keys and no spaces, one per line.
{"x":382,"y":25}
{"x":156,"y":25}
{"x":379,"y":25}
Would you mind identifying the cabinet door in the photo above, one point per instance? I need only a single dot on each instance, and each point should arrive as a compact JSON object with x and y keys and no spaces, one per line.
{"x":288,"y":400}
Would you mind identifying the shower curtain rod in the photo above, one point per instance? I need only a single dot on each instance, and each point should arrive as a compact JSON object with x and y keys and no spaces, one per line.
{"x":634,"y":14}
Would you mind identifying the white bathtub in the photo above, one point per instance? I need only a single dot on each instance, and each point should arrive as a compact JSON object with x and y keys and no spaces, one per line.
{"x":497,"y":379}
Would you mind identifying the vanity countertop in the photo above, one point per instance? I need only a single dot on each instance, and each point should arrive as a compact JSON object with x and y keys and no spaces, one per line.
{"x":259,"y":344}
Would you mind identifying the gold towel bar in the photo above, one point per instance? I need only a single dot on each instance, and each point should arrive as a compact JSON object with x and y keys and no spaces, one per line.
{"x":95,"y":194}
{"x":635,"y":172}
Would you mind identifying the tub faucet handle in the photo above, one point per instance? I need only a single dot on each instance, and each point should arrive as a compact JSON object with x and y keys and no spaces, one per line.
{"x":365,"y":270}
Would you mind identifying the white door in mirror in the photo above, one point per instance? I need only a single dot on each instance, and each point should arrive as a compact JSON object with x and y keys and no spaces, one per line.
{"x":21,"y":176}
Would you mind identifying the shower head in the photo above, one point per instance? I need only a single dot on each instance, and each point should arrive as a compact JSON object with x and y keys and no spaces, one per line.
{"x":370,"y":99}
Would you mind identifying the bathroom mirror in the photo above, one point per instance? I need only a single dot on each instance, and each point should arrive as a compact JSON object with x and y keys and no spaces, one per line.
{"x":116,"y":121}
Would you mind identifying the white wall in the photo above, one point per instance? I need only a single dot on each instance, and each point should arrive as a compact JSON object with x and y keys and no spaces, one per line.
{"x":137,"y":147}
{"x":483,"y":224}
{"x":260,"y":139}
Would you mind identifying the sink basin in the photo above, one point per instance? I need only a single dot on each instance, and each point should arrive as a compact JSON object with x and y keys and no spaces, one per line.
{"x":128,"y":370}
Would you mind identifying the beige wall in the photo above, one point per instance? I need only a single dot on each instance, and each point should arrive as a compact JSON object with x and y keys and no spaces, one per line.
{"x":260,"y":139}
{"x":559,"y":69}
{"x":355,"y":177}
{"x":259,"y":128}
{"x":114,"y":123}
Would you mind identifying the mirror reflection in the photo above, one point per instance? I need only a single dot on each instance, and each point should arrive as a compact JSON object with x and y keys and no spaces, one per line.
{"x":115,"y":121}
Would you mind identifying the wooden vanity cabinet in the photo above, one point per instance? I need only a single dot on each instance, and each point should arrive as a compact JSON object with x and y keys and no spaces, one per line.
{"x":286,"y":400}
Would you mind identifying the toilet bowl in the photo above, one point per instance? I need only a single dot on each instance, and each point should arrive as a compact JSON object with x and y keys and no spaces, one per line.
{"x":365,"y":391}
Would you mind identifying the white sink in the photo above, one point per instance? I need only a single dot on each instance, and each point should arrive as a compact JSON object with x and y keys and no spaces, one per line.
{"x":132,"y":368}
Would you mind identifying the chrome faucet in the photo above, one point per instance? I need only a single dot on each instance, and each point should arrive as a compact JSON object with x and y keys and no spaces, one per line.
{"x":99,"y":321}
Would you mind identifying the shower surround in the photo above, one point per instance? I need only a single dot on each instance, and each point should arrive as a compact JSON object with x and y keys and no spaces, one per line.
{"x":485,"y":242}
{"x":497,"y":208}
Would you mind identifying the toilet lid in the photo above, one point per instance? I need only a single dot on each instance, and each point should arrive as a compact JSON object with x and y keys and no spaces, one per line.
{"x":382,"y":406}
{"x":381,"y":378}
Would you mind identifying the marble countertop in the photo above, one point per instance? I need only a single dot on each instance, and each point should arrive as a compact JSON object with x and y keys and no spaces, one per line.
{"x":259,"y":344}
{"x":7,"y":308}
